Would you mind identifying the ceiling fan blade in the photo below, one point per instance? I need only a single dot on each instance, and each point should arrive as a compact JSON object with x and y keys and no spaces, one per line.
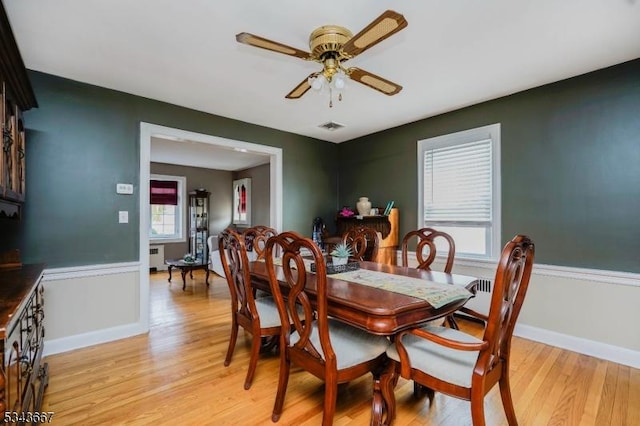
{"x":375,"y":82}
{"x":385,"y":25}
{"x":301,"y":88}
{"x":263,"y":43}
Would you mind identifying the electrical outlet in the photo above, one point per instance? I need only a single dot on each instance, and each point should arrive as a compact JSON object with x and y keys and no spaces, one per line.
{"x":123,"y":216}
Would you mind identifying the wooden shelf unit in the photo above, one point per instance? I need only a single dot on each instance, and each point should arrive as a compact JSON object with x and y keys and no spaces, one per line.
{"x":16,"y":96}
{"x":386,"y":225}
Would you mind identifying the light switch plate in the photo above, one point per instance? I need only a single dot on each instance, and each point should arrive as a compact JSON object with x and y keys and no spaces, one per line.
{"x":123,"y":216}
{"x":124,"y":188}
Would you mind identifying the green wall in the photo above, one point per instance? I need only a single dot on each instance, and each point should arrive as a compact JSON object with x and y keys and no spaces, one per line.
{"x":84,"y":139}
{"x":570,"y":167}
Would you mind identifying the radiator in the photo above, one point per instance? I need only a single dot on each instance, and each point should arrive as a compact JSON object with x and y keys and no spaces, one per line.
{"x":156,"y":258}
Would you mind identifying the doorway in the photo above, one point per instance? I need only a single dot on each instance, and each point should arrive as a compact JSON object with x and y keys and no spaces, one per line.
{"x":149,"y":131}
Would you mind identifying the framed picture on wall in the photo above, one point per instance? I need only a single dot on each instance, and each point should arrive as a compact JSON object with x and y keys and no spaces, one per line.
{"x":242,"y":202}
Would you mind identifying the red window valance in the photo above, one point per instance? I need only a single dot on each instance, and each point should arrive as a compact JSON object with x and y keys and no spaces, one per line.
{"x":164,"y":192}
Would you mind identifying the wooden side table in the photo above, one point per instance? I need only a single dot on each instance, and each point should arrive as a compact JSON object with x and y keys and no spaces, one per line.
{"x":187,"y":267}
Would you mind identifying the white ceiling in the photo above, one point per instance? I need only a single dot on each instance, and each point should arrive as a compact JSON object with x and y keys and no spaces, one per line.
{"x":453,"y":53}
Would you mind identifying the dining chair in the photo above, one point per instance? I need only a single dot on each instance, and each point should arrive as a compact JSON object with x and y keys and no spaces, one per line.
{"x":445,"y":360}
{"x":364,"y":242}
{"x":258,"y":235}
{"x":426,"y":240}
{"x":330,"y":350}
{"x":258,"y":316}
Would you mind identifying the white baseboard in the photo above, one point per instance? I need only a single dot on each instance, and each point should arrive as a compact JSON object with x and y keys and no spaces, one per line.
{"x":78,"y":341}
{"x":604,"y":351}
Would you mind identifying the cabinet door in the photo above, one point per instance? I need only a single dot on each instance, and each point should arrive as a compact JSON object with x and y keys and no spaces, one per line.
{"x":3,"y":152}
{"x":19,"y":156}
{"x":13,"y":388}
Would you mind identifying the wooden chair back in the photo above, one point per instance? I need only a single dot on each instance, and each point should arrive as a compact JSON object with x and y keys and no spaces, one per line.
{"x":426,"y":248}
{"x":244,"y":309}
{"x":307,"y":342}
{"x":364,"y":242}
{"x":258,"y":235}
{"x":509,"y":289}
{"x":235,"y":263}
{"x":290,"y":244}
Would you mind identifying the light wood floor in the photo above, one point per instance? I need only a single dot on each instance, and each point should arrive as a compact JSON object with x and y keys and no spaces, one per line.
{"x":175,"y":375}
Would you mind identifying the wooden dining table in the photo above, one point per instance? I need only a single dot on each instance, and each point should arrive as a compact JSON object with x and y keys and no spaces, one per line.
{"x":379,"y":311}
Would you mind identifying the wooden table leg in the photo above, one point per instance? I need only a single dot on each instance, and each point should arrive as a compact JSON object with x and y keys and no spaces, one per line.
{"x":170,"y":268}
{"x":183,"y":271}
{"x":206,"y":279}
{"x":383,"y":407}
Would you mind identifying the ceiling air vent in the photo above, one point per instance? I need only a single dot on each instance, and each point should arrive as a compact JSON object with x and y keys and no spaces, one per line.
{"x":331,"y":125}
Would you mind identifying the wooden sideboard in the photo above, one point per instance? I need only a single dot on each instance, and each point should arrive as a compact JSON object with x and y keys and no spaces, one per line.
{"x":386,"y":225}
{"x":16,"y":96}
{"x":24,"y":377}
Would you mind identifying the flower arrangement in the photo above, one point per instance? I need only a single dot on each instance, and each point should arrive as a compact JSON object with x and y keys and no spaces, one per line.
{"x":188,"y":258}
{"x":340,"y":254}
{"x":346,"y":212}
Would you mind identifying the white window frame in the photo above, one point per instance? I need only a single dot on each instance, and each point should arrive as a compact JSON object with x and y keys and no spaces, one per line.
{"x":491,"y":132}
{"x":182,"y":211}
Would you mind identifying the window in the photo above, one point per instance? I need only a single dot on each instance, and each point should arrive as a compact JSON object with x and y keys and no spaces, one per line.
{"x":168,"y":208}
{"x":459,"y":184}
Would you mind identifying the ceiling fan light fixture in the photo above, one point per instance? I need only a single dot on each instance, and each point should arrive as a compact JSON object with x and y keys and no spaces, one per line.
{"x":318,"y":82}
{"x":331,"y":46}
{"x":338,"y":81}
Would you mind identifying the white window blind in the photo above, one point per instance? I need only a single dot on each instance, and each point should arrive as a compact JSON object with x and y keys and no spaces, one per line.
{"x":458,"y":183}
{"x":459,"y":186}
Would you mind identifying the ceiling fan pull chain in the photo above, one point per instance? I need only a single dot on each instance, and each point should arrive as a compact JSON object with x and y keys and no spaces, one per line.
{"x":330,"y":98}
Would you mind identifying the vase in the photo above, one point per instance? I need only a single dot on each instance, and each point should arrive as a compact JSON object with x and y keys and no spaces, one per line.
{"x":364,"y":206}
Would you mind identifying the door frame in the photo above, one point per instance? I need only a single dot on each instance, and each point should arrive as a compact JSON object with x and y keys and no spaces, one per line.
{"x":147,"y":131}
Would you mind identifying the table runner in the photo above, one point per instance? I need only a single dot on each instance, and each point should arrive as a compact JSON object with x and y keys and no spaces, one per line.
{"x":437,"y":294}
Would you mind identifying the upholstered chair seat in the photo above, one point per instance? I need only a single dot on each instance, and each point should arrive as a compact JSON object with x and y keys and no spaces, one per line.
{"x":450,"y":365}
{"x":352,"y":346}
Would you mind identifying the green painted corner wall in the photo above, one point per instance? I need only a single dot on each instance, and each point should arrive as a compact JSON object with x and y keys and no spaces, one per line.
{"x":570,"y":167}
{"x":84,"y":139}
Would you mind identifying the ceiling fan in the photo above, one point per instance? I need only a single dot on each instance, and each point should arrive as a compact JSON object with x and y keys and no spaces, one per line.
{"x":332,"y":45}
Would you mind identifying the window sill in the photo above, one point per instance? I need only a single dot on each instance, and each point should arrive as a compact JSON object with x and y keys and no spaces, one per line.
{"x":166,"y":240}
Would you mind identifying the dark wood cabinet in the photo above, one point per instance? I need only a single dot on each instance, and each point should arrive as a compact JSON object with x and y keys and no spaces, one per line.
{"x":24,"y":377}
{"x":16,"y":96}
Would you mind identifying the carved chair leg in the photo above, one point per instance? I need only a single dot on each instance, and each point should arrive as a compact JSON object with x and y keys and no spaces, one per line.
{"x":253,"y":360}
{"x":507,"y":402}
{"x":283,"y":381}
{"x":232,"y":342}
{"x":477,"y":408}
{"x":330,"y":397}
{"x":452,"y":322}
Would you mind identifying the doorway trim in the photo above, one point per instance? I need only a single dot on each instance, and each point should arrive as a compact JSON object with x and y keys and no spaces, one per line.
{"x":147,"y":131}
